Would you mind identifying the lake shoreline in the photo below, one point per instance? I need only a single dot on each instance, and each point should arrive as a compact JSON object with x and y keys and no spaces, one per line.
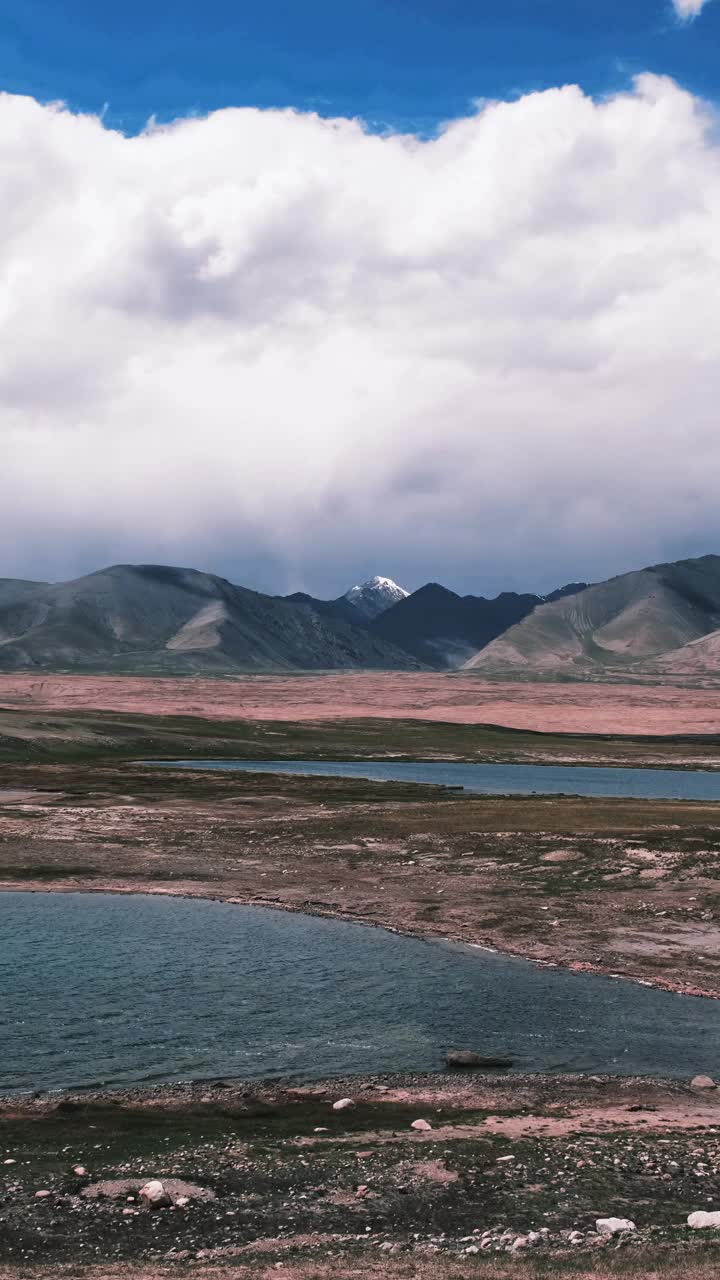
{"x":501,"y":1086}
{"x":395,"y":925}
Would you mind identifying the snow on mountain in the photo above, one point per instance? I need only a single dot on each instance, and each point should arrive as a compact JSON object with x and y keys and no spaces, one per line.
{"x":376,"y":595}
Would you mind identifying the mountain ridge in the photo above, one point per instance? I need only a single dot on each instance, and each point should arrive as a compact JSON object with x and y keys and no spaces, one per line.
{"x":442,"y":628}
{"x":160,"y":618}
{"x":628,"y":623}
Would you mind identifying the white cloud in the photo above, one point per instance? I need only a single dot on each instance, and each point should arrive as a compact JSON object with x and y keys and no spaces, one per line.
{"x":267,"y":337}
{"x":687,"y":9}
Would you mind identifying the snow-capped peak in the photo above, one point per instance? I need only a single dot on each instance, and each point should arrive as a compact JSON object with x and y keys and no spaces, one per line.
{"x":375,"y":596}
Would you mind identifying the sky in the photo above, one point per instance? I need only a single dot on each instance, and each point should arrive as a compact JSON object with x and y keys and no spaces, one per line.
{"x":300,"y":293}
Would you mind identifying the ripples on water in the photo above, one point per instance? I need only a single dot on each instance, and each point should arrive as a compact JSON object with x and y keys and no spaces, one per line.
{"x":110,"y":989}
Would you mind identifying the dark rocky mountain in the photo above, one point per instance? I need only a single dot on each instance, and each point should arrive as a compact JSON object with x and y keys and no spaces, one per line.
{"x":340,"y":608}
{"x":443,"y":629}
{"x":571,"y":589}
{"x":156,"y":618}
{"x":660,"y":619}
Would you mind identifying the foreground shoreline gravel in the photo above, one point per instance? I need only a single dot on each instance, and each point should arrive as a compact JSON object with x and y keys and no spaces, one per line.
{"x":501,"y":1173}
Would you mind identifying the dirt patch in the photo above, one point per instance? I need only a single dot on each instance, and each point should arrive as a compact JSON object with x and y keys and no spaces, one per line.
{"x":674,"y":938}
{"x":433,"y":1171}
{"x":121,"y":1188}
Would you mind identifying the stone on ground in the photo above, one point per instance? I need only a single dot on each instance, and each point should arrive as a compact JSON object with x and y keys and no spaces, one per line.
{"x":702,"y":1219}
{"x":613,"y":1226}
{"x":422,"y":1126}
{"x":343,"y":1104}
{"x":703,"y":1082}
{"x":155,"y":1195}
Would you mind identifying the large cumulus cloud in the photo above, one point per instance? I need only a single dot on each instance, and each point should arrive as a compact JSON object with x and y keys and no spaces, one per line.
{"x":286,"y":348}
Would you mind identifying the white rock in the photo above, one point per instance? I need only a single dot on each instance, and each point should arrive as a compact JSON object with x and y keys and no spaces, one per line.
{"x":155,"y":1195}
{"x":472,"y":1248}
{"x":613,"y":1226}
{"x":422,"y":1126}
{"x":9,"y":1162}
{"x":343,"y":1104}
{"x":80,"y":1170}
{"x":703,"y":1082}
{"x":182,"y":1201}
{"x":701,"y":1219}
{"x":41,"y":1195}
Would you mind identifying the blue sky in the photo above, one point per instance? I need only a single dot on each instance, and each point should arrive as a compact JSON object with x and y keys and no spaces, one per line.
{"x":397,"y":63}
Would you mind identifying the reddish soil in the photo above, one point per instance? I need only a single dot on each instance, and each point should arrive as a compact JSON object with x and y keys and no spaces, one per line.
{"x":456,"y":698}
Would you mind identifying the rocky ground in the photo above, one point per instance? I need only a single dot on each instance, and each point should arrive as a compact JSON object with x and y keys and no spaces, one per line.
{"x":500,"y":1172}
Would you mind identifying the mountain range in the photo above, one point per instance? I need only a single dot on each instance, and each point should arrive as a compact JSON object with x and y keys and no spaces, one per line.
{"x":160,"y":619}
{"x":157,"y":619}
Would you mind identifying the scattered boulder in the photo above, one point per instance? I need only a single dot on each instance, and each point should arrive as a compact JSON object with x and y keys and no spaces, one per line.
{"x":343,"y":1104}
{"x":702,"y":1220}
{"x":613,"y":1226}
{"x":422,"y":1126}
{"x":80,"y":1171}
{"x":703,"y":1082}
{"x":42,"y":1195}
{"x":155,"y":1195}
{"x":466,"y":1059}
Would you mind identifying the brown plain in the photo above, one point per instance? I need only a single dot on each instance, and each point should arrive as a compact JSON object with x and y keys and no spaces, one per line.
{"x":453,"y":698}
